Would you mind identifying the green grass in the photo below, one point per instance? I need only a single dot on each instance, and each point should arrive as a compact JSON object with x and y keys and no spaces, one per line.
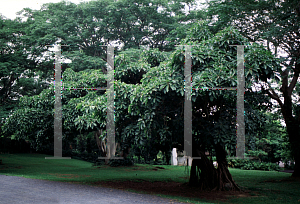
{"x":37,"y":167}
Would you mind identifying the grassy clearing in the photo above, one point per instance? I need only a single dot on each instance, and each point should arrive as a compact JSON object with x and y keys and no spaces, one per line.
{"x":269,"y":187}
{"x":37,"y":167}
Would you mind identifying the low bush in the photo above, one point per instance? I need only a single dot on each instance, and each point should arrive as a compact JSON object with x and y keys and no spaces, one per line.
{"x":121,"y":162}
{"x":247,"y":164}
{"x":289,"y":164}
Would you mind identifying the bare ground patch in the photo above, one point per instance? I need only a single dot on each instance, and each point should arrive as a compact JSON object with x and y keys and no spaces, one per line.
{"x":173,"y":189}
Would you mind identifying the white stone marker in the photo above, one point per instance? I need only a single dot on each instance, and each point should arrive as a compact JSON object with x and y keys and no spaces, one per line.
{"x":174,"y":157}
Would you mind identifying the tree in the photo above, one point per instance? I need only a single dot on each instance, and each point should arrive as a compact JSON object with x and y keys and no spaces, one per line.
{"x":277,"y":23}
{"x":74,"y":24}
{"x":153,"y":107}
{"x":268,"y":144}
{"x":89,"y":25}
{"x":214,"y":59}
{"x":18,"y":72}
{"x":33,"y":120}
{"x":149,"y":99}
{"x":149,"y":96}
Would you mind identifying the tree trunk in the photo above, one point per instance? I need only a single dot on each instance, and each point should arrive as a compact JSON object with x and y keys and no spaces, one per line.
{"x":224,"y":178}
{"x":167,"y":157}
{"x":124,"y":153}
{"x":194,"y":176}
{"x":207,"y":177}
{"x":296,"y":172}
{"x":101,"y":145}
{"x":293,"y":130}
{"x":294,"y":139}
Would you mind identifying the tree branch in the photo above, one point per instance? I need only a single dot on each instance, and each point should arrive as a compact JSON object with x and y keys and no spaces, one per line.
{"x":274,"y":96}
{"x":294,"y":80}
{"x":284,"y":80}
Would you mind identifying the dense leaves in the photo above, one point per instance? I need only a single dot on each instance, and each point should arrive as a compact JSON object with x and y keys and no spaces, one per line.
{"x":275,"y":23}
{"x":149,"y":96}
{"x":149,"y":83}
{"x":33,"y":120}
{"x":18,"y":73}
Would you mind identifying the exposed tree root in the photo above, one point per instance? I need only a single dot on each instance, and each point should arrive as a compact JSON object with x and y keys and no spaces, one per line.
{"x":207,"y":177}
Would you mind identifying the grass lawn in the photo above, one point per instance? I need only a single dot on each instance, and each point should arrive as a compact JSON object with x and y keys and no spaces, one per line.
{"x":265,"y":187}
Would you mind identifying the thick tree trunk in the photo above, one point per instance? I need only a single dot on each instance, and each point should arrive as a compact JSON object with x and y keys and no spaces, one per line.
{"x":292,"y":123}
{"x":207,"y":177}
{"x":293,"y":130}
{"x":195,"y":173}
{"x":203,"y":172}
{"x":296,"y":172}
{"x":167,"y":157}
{"x":294,"y":139}
{"x":224,"y":178}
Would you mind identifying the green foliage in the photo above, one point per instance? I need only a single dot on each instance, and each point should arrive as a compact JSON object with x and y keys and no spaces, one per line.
{"x":149,"y":114}
{"x":84,"y":147}
{"x":271,"y":144}
{"x":79,"y":58}
{"x":33,"y":120}
{"x":262,"y":155}
{"x":277,"y":24}
{"x":198,"y":32}
{"x":247,"y":164}
{"x":74,"y":25}
{"x":130,"y":22}
{"x":285,"y":13}
{"x":84,"y":156}
{"x":149,"y":86}
{"x":285,"y":152}
{"x":17,"y":77}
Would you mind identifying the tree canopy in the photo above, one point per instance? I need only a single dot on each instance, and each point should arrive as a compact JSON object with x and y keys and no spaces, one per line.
{"x":149,"y":98}
{"x":276,"y":23}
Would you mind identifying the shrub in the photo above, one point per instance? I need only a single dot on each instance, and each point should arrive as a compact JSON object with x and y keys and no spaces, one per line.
{"x":253,"y":165}
{"x":289,"y":165}
{"x":121,"y":162}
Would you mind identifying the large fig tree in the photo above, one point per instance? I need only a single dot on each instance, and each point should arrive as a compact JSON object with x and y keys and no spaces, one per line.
{"x":149,"y":99}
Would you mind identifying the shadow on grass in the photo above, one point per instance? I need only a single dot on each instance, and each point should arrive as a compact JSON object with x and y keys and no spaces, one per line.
{"x":167,"y":181}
